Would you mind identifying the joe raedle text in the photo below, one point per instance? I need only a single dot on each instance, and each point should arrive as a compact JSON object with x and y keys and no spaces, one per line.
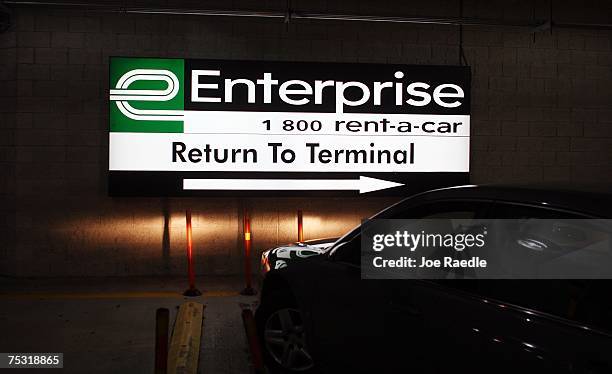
{"x":399,"y":251}
{"x":424,"y":262}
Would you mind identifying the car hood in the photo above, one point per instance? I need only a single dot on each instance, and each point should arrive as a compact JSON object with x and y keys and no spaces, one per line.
{"x":280,"y":257}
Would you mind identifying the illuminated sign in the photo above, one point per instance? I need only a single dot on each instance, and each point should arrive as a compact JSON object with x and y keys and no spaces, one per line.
{"x":218,"y":127}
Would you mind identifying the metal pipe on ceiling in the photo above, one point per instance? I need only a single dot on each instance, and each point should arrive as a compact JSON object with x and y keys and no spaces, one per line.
{"x":289,"y":14}
{"x":279,"y":14}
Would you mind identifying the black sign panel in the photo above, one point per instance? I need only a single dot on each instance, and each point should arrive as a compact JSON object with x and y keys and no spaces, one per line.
{"x":260,"y":128}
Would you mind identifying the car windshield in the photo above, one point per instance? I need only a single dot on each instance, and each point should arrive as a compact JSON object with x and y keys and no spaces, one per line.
{"x":355,"y":231}
{"x":345,"y":238}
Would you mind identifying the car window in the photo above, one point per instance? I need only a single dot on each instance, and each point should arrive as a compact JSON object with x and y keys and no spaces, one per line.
{"x":563,"y":238}
{"x":349,"y":251}
{"x":544,"y":239}
{"x":343,"y":240}
{"x":504,"y":210}
{"x":453,"y":209}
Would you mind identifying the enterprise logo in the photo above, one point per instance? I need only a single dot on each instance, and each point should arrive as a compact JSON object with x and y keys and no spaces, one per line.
{"x":205,"y":85}
{"x":147,"y":95}
{"x":122,"y":94}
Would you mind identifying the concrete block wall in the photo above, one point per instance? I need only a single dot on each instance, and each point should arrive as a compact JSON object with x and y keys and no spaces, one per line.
{"x":8,"y":101}
{"x":542,"y":112}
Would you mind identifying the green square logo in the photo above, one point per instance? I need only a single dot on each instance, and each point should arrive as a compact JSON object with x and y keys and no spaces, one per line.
{"x":146,"y":95}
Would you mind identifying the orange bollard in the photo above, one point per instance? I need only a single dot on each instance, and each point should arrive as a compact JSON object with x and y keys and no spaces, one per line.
{"x":254,"y":347}
{"x":300,"y":227}
{"x":246,"y":227}
{"x":192,"y":290}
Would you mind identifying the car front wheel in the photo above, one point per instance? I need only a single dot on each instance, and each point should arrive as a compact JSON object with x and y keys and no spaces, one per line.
{"x":283,"y":336}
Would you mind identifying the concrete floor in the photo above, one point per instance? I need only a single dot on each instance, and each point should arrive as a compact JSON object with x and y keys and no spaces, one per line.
{"x":108,"y":325}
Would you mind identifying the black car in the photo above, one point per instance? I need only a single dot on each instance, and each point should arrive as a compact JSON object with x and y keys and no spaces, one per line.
{"x":318,"y":315}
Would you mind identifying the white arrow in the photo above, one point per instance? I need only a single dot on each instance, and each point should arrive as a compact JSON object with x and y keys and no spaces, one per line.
{"x":363,"y":184}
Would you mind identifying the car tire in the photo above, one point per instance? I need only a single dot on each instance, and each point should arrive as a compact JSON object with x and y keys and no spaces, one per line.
{"x":282,"y":335}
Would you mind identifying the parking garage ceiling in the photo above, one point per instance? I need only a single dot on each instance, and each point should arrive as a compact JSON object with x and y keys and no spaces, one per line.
{"x":289,"y":13}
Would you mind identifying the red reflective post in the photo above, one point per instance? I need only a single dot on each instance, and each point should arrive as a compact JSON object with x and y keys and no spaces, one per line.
{"x":300,"y":227}
{"x":246,"y":227}
{"x":250,"y":328}
{"x":192,"y":291}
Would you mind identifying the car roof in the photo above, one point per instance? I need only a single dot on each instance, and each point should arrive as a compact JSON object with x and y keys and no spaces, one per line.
{"x":590,"y":199}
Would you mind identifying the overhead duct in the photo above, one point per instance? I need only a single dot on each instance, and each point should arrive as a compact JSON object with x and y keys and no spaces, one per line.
{"x":287,"y":15}
{"x":282,"y":15}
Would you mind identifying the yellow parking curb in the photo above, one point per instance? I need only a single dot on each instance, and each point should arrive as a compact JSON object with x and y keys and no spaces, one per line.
{"x":184,"y":351}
